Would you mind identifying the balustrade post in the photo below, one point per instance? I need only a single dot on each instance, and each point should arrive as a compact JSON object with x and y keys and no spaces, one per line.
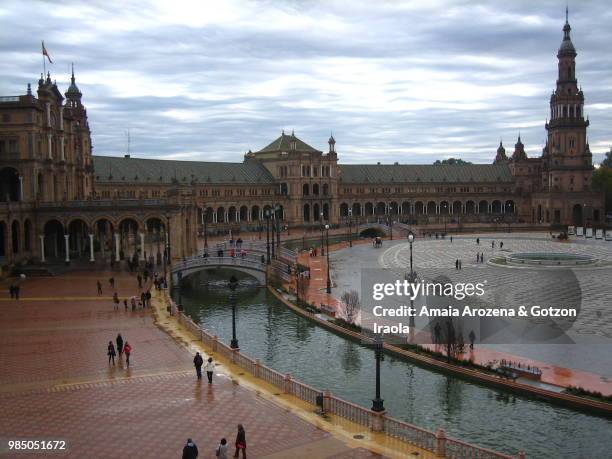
{"x":327,"y":395}
{"x":215,"y":340}
{"x":287,"y":383}
{"x":235,"y":352}
{"x":441,"y":443}
{"x":257,"y":369}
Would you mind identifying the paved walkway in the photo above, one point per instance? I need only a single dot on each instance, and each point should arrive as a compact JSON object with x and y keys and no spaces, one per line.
{"x":56,"y":383}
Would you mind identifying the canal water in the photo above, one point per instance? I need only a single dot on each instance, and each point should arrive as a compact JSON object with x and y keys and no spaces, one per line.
{"x":268,"y":330}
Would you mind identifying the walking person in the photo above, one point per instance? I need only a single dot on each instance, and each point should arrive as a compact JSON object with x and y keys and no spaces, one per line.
{"x":12,"y":291}
{"x":119,"y":344}
{"x":210,"y":369}
{"x":501,"y":245}
{"x":190,"y":450}
{"x":125,"y":304}
{"x":116,"y":301}
{"x":17,"y":288}
{"x":472,"y":337}
{"x":139,"y":279}
{"x":127,"y":350}
{"x":240,"y":442}
{"x":99,"y":287}
{"x":111,"y":353}
{"x":111,"y":281}
{"x":477,"y":241}
{"x":457,"y":263}
{"x":221,"y":451}
{"x":198,"y":361}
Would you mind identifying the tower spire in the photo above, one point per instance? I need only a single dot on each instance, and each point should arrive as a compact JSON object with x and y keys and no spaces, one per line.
{"x":72,"y":78}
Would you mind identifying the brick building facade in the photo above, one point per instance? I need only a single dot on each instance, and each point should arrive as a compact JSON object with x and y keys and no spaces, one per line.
{"x":60,"y":201}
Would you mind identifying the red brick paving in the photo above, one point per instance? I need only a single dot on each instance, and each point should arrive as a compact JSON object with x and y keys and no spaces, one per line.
{"x":56,"y":382}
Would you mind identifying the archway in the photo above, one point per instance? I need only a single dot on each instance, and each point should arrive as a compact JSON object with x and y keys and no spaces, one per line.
{"x":483,"y":207}
{"x":419,"y":208}
{"x":325,"y":189}
{"x":510,"y":207}
{"x":431,"y":208}
{"x":356,"y":210}
{"x":128,"y":239}
{"x":232,"y":215}
{"x":244,"y":213}
{"x":344,"y":208}
{"x":78,"y":238}
{"x":155,"y":239}
{"x":369,"y":209}
{"x":496,"y":207}
{"x":316,"y":212}
{"x":444,"y":208}
{"x":15,"y":236}
{"x":2,"y":239}
{"x":255,"y":213}
{"x":470,"y":207}
{"x":305,"y":189}
{"x":315,"y":189}
{"x":103,"y":237}
{"x":306,"y":212}
{"x":577,"y":218}
{"x":54,"y":239}
{"x":406,"y":208}
{"x":393,"y":208}
{"x":220,"y":214}
{"x":380,"y":209}
{"x":27,"y":236}
{"x":10,"y":189}
{"x":326,"y":212}
{"x":457,"y":207}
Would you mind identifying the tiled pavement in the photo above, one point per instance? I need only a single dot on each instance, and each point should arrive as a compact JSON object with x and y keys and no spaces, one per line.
{"x":56,"y":383}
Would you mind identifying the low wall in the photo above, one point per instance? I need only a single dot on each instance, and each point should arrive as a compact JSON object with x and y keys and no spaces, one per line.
{"x":435,"y":442}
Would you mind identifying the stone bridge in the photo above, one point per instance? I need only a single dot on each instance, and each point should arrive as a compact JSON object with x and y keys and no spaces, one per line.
{"x":249,"y":265}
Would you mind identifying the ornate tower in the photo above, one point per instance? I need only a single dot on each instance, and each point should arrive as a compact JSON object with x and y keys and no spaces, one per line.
{"x":567,"y":166}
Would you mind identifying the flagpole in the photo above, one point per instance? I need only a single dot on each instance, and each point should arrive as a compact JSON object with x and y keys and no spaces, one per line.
{"x":43,"y":57}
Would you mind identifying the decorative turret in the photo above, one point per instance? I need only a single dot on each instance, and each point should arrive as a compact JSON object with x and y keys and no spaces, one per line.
{"x":501,"y":154}
{"x":519,"y":151}
{"x":332,"y":144}
{"x":73,"y":94}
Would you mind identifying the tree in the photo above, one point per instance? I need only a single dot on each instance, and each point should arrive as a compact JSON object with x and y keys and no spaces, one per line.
{"x":602,"y":181}
{"x":607,"y":162}
{"x":350,"y":305}
{"x":457,"y":161}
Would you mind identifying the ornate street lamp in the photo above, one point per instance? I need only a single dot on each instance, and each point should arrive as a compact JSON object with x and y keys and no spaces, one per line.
{"x":206,"y":229}
{"x":350,"y":214}
{"x":322,"y":241}
{"x":412,"y":280}
{"x":233,"y":283}
{"x":277,"y":219}
{"x":169,"y":256}
{"x":328,"y":277}
{"x":267,"y":217}
{"x":273,"y":218}
{"x":377,"y":402}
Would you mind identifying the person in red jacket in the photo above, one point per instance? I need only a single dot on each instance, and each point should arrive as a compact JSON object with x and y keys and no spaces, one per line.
{"x":127,"y":350}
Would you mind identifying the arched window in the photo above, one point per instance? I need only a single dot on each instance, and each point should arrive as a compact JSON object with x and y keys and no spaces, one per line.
{"x":305,"y":189}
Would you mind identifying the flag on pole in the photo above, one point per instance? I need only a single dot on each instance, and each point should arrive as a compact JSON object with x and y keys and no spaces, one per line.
{"x":45,"y":53}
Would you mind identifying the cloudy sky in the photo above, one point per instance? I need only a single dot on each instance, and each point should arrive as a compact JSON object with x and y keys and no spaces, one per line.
{"x":409,"y":81}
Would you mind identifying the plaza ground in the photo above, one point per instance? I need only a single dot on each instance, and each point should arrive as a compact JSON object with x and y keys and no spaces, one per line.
{"x":56,"y":383}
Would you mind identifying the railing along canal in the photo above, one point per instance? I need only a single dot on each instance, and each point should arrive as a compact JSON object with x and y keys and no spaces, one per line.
{"x":435,"y":442}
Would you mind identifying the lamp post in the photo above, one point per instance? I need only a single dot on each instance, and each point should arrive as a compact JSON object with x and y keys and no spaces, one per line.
{"x":267,"y":217}
{"x":322,"y":241}
{"x":445,"y":206}
{"x":273,"y":218}
{"x":206,"y":229}
{"x":233,"y":283}
{"x":168,"y":240}
{"x":412,"y":279}
{"x":377,"y":402}
{"x":350,"y":214}
{"x":278,"y":226}
{"x":328,"y":277}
